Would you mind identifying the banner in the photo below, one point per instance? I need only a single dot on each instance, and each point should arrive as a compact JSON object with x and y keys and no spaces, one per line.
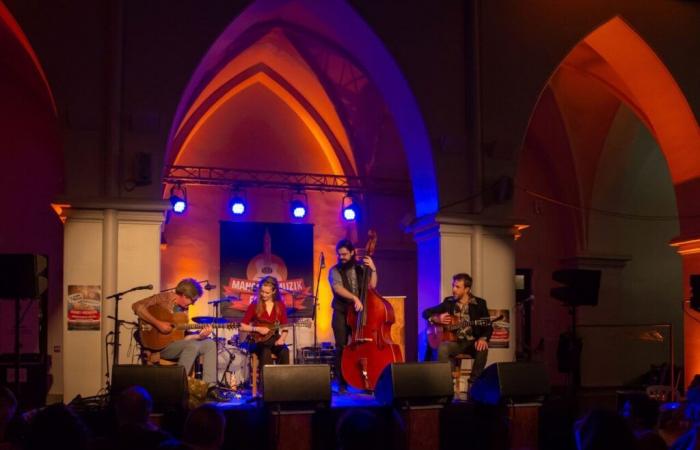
{"x":250,"y":251}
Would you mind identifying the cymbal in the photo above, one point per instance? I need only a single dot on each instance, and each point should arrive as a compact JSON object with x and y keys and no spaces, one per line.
{"x":208,"y":320}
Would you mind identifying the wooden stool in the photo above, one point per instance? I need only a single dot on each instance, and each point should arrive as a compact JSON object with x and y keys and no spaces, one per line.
{"x":255,"y":372}
{"x":460,"y":371}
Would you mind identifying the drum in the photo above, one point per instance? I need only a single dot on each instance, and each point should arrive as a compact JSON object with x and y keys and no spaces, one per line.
{"x":233,"y":366}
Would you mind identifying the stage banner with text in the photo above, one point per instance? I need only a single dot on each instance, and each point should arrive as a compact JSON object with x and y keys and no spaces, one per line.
{"x":250,"y":251}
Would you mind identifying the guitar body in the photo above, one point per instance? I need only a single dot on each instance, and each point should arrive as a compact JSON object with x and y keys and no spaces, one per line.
{"x":437,"y":334}
{"x":152,"y":339}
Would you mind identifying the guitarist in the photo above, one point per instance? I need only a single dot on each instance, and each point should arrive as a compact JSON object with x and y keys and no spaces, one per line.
{"x":186,"y":350}
{"x":262,"y":317}
{"x":470,"y":340}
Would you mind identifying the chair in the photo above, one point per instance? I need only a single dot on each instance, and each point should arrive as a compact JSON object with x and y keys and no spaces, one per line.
{"x":460,"y":371}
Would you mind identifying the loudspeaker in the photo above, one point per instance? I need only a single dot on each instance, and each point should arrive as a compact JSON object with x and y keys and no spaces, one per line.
{"x":166,"y":384}
{"x":23,"y":275}
{"x":426,"y":383}
{"x":293,"y":386}
{"x":519,"y":382}
{"x":580,"y":286}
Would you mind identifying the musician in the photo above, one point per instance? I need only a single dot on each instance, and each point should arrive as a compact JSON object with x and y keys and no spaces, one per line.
{"x":264,"y":315}
{"x":186,"y":350}
{"x":344,"y":279}
{"x":470,"y":340}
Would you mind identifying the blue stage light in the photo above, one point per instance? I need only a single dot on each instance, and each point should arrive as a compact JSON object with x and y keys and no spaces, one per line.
{"x":178,"y":199}
{"x":179,"y":204}
{"x":237,"y":205}
{"x":298,"y":209}
{"x":350,"y":208}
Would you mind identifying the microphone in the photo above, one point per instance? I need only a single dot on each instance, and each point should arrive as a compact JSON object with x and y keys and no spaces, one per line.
{"x":323,"y":261}
{"x":146,"y":287}
{"x":209,"y":287}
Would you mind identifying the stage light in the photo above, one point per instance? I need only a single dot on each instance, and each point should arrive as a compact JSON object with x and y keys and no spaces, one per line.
{"x":178,"y":199}
{"x":350,"y":208}
{"x":298,"y":205}
{"x":238,"y":204}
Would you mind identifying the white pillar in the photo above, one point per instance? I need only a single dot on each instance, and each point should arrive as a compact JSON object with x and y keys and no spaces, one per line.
{"x":114,"y":245}
{"x":448,"y":245}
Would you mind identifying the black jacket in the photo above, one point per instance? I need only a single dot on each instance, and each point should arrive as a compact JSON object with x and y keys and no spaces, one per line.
{"x":477,"y":310}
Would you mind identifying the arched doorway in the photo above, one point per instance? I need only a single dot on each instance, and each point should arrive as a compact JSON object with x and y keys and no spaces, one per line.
{"x":605,"y":178}
{"x":305,"y":89}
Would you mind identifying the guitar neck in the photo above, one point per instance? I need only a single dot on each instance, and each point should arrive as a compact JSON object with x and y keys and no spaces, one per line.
{"x":199,"y":326}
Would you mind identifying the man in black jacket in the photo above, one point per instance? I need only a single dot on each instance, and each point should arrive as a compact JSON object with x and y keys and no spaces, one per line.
{"x":470,"y":340}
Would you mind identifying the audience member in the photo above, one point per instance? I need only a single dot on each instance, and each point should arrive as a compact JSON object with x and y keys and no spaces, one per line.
{"x":56,"y":426}
{"x":134,"y":431}
{"x":603,"y":430}
{"x":689,"y":440}
{"x":642,"y":414}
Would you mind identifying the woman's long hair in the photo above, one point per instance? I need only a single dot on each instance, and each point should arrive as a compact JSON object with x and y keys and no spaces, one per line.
{"x":276,"y":296}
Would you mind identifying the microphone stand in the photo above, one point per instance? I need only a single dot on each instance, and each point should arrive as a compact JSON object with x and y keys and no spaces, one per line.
{"x":117,"y":297}
{"x":321,"y":266}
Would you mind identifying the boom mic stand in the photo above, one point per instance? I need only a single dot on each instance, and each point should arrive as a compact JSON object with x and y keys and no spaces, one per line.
{"x":117,"y":297}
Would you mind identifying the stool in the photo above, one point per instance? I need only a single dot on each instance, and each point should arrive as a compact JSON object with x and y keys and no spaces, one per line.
{"x":460,"y":371}
{"x":255,"y":372}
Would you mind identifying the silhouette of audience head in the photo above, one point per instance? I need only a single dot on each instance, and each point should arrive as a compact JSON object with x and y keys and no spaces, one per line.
{"x":56,"y":426}
{"x":603,"y":430}
{"x":641,"y":412}
{"x":204,"y":428}
{"x":134,"y":406}
{"x":357,"y":429}
{"x":8,"y":406}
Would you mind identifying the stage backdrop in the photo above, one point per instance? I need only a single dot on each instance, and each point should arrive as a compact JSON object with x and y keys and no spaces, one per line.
{"x":250,"y":251}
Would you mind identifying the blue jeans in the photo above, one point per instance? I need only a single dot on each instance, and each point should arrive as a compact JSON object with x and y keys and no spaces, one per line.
{"x":185,"y":351}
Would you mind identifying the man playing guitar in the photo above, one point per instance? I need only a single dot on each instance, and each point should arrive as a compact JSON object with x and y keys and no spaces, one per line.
{"x":264,"y":318}
{"x":472,"y":340}
{"x":186,"y":350}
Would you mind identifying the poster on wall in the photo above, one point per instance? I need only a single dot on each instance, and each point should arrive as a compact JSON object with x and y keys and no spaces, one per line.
{"x":501,"y":329}
{"x":250,"y":251}
{"x":84,"y":306}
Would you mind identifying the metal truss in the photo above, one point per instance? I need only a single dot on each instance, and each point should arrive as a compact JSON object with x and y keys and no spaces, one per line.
{"x":239,"y":178}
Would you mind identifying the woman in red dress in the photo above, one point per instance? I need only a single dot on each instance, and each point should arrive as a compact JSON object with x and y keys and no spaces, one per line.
{"x":264,"y":319}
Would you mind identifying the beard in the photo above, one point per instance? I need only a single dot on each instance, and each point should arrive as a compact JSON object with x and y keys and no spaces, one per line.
{"x":347,"y":265}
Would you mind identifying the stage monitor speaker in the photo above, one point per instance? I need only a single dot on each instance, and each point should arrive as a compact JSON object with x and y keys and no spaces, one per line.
{"x":166,"y":384}
{"x":297,"y":386}
{"x":426,"y":383}
{"x":23,"y":275}
{"x":516,"y":382}
{"x":580,"y":286}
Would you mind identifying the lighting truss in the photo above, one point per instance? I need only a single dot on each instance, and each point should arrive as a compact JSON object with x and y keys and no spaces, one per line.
{"x":219,"y":176}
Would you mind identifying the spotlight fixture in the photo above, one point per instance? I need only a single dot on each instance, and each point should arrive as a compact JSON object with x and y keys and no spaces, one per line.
{"x":349,"y":208}
{"x":238,"y":204}
{"x":298,"y":205}
{"x":178,"y":199}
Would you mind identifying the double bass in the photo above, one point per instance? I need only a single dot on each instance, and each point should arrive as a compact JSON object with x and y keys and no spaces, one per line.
{"x":370,"y":349}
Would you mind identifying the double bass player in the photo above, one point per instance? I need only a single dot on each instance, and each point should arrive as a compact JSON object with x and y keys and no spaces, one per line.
{"x":344,"y":279}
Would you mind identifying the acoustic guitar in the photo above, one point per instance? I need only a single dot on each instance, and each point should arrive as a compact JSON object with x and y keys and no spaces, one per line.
{"x":438,"y":333}
{"x":152,"y":339}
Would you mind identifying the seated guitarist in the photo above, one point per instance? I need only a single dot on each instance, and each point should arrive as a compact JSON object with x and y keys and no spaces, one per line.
{"x":186,"y":350}
{"x":263,"y":318}
{"x":470,"y":340}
